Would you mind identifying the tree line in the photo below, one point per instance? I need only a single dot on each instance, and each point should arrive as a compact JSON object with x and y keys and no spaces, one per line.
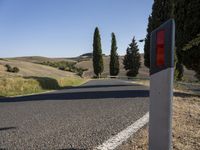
{"x":187,"y":19}
{"x":131,"y":60}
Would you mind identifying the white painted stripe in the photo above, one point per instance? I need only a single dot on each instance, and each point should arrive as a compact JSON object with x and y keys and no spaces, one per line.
{"x":122,"y":136}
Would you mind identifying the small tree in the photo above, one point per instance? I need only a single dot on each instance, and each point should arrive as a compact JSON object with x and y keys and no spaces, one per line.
{"x":97,"y":54}
{"x":132,"y":59}
{"x":114,"y":59}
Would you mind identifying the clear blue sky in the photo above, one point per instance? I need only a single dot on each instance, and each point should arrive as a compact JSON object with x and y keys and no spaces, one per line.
{"x":64,"y":28}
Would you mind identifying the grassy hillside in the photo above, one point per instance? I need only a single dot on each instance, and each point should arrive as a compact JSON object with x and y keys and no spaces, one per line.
{"x":33,"y":78}
{"x":28,"y":69}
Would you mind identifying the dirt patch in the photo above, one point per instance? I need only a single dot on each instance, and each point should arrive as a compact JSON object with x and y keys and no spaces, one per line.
{"x":186,"y":127}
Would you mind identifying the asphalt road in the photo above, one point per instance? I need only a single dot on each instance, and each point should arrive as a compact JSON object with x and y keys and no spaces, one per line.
{"x":75,"y":118}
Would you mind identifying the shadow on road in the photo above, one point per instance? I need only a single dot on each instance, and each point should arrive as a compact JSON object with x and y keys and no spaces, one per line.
{"x":7,"y":128}
{"x":101,"y":86}
{"x":72,"y":149}
{"x":80,"y":95}
{"x":182,"y":94}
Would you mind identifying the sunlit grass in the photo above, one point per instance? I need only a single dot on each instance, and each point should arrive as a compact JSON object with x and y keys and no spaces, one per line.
{"x":20,"y":86}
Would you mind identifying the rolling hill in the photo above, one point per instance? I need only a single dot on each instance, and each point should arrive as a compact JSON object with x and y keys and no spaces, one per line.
{"x":28,"y":69}
{"x":82,"y":62}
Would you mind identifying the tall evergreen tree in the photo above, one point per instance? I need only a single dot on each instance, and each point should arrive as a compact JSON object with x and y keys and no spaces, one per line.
{"x":179,"y":14}
{"x":97,"y":54}
{"x":187,"y":14}
{"x":147,"y":44}
{"x":132,"y":59}
{"x":114,"y":59}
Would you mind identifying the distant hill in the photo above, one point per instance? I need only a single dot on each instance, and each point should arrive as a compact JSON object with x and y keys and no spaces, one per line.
{"x":39,"y":59}
{"x":86,"y":55}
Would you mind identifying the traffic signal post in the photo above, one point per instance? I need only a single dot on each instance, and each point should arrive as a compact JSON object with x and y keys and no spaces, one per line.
{"x":161,"y":86}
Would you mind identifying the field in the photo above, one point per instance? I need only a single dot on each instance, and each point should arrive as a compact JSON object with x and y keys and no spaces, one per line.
{"x":33,"y":78}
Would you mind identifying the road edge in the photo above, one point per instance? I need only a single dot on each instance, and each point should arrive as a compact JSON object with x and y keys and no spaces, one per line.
{"x":124,"y":135}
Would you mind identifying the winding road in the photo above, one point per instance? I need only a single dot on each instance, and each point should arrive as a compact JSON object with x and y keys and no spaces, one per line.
{"x":80,"y":117}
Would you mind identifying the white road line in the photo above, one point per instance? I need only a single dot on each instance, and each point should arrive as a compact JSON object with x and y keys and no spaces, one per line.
{"x":122,"y":136}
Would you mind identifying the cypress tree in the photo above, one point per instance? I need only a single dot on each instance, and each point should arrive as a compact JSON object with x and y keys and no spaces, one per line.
{"x":191,"y":57}
{"x":147,"y":44}
{"x":132,"y":59}
{"x":114,"y":59}
{"x":187,"y":14}
{"x":179,"y":13}
{"x":97,"y":54}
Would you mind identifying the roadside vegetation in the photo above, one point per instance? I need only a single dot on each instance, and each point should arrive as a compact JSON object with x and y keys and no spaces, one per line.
{"x":114,"y":58}
{"x":186,"y":14}
{"x":12,"y":86}
{"x":98,"y":65}
{"x":132,"y":59}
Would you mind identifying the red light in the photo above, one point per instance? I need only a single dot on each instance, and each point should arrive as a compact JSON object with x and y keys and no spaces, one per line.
{"x":160,"y":52}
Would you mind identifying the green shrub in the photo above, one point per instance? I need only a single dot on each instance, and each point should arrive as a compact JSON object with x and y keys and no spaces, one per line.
{"x":15,"y":70}
{"x":12,"y":69}
{"x":66,"y":66}
{"x":9,"y":68}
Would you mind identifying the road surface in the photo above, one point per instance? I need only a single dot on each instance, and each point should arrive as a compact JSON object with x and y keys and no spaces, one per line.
{"x":74,"y":118}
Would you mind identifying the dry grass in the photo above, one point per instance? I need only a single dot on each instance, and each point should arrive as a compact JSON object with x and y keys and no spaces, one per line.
{"x":28,"y":69}
{"x":186,"y":127}
{"x":33,"y":78}
{"x":22,"y":86}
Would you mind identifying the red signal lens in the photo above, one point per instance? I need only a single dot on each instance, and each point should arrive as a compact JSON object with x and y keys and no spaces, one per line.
{"x":160,"y":51}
